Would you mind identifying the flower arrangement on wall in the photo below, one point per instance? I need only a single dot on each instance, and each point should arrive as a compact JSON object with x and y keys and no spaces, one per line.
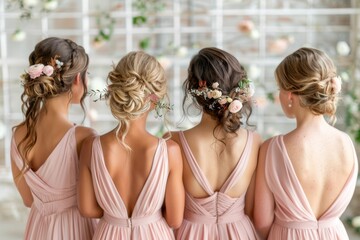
{"x":29,"y":9}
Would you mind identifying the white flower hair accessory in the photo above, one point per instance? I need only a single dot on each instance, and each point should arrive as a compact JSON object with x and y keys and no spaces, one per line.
{"x":245,"y":89}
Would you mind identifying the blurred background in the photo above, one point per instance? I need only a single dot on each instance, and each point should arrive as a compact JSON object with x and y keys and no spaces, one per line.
{"x":260,"y":33}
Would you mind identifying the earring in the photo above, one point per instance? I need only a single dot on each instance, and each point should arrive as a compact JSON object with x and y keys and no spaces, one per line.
{"x":290,"y":104}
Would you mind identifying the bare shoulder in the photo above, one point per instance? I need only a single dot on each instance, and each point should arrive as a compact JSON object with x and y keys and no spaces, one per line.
{"x":172,"y":146}
{"x":19,"y":132}
{"x":346,"y":144}
{"x":174,"y":153}
{"x":86,"y":149}
{"x":175,"y":137}
{"x":84,"y":132}
{"x":264,"y":146}
{"x":257,"y":139}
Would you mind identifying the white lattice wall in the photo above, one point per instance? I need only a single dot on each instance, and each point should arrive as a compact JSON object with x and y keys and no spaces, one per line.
{"x":176,"y":33}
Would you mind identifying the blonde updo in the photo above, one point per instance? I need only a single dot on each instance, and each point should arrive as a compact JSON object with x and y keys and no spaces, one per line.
{"x":131,"y":82}
{"x":310,"y":73}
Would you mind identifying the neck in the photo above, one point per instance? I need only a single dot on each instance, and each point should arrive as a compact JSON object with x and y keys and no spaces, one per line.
{"x":207,"y":125}
{"x":307,"y":120}
{"x":207,"y":121}
{"x":57,"y":106}
{"x":137,"y":126}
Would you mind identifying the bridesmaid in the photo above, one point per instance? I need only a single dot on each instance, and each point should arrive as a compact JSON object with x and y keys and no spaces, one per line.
{"x":128,"y":177}
{"x":220,"y":154}
{"x":306,"y":178}
{"x":45,"y":146}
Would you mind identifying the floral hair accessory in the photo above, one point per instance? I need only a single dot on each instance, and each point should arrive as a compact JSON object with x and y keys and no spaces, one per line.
{"x":235,"y":106}
{"x":336,"y":84}
{"x":37,"y":70}
{"x":245,"y":89}
{"x":160,"y":105}
{"x":59,"y":64}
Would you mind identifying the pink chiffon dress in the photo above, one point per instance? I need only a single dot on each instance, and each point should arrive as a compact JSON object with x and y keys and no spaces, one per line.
{"x":54,"y":213}
{"x":294,"y":218}
{"x":146,"y":222}
{"x":217,"y":216}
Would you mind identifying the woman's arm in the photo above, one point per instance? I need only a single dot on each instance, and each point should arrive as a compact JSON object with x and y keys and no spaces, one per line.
{"x":88,"y":205}
{"x":264,"y":200}
{"x":21,"y":185}
{"x":175,"y":193}
{"x":250,"y":193}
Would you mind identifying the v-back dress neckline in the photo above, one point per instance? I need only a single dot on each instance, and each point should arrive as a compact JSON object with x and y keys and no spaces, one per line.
{"x":199,"y":174}
{"x":146,"y":183}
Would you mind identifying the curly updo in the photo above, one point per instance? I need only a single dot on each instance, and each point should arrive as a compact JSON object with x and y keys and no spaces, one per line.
{"x":133,"y":80}
{"x":212,"y":65}
{"x":39,"y":88}
{"x":310,"y":73}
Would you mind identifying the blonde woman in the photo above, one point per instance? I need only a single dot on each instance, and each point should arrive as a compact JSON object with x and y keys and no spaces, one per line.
{"x":306,"y":178}
{"x":128,"y":177}
{"x":45,"y":146}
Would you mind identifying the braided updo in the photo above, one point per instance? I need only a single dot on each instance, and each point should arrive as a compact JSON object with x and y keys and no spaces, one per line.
{"x":214,"y":65}
{"x":42,"y":87}
{"x":137,"y":76}
{"x":310,"y":73}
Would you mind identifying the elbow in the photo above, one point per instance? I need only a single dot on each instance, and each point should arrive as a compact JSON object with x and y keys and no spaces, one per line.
{"x":90,"y":212}
{"x":262,"y":229}
{"x":28,"y":203}
{"x":174,"y":223}
{"x":174,"y":220}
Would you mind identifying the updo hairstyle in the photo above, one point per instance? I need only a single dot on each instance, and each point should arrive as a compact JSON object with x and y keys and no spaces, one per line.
{"x":308,"y":73}
{"x":37,"y":90}
{"x":215,"y":65}
{"x":137,"y":76}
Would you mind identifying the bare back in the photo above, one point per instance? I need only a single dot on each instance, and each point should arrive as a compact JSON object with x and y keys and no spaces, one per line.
{"x":217,"y":160}
{"x":129,"y":172}
{"x":323,"y":161}
{"x":50,"y":132}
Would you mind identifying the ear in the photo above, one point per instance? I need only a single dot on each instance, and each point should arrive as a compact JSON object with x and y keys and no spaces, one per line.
{"x":77,"y":79}
{"x":290,"y":96}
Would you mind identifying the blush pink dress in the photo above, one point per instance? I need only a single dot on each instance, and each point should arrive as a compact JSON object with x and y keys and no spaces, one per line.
{"x":217,"y":216}
{"x":54,"y":213}
{"x":294,"y":218}
{"x":146,"y":222}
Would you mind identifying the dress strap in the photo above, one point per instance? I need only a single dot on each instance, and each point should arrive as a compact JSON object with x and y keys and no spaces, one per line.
{"x":196,"y":170}
{"x":241,"y":164}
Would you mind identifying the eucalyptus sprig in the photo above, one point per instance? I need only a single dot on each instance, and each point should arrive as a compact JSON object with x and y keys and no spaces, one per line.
{"x":100,"y":94}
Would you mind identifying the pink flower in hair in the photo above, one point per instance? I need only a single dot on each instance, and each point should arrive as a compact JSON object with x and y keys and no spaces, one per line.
{"x":153,"y":98}
{"x":48,"y":70}
{"x":35,"y":70}
{"x":235,"y":106}
{"x":336,"y":84}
